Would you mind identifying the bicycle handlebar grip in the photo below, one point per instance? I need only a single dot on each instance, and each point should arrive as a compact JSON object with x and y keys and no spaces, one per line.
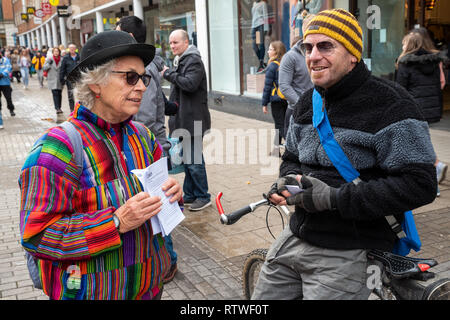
{"x":235,"y":216}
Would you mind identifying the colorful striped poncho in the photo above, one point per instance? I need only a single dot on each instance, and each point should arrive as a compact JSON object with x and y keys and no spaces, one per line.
{"x":66,"y":220}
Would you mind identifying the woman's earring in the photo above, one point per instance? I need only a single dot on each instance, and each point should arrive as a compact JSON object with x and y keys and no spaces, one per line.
{"x":97,"y":96}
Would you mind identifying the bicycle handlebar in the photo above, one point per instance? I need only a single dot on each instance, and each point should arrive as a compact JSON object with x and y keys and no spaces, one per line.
{"x":236,"y":215}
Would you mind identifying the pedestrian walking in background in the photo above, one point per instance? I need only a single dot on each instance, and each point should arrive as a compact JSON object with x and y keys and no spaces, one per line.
{"x":24,"y":64}
{"x":420,"y":71}
{"x":273,"y":95}
{"x":152,"y":111}
{"x":69,"y":220}
{"x":5,"y":86}
{"x":294,"y":78}
{"x":69,"y":61}
{"x":189,"y":91}
{"x":15,"y":60}
{"x":52,"y":66}
{"x":38,"y":61}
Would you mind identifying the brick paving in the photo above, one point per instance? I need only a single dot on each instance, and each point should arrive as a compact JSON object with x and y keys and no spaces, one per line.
{"x":210,"y":255}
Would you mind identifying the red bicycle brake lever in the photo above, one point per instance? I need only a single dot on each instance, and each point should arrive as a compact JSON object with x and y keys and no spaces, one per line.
{"x":218,"y":204}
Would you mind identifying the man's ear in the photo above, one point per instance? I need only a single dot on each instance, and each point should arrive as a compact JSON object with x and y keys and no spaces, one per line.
{"x":354,"y":59}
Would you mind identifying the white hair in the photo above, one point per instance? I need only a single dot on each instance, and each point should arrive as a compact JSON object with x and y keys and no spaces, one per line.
{"x":98,"y":75}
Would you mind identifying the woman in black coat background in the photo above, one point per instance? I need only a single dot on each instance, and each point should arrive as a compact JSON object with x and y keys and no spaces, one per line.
{"x":420,"y":71}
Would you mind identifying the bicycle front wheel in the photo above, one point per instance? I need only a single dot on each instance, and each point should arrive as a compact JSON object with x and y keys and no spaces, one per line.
{"x":251,"y":269}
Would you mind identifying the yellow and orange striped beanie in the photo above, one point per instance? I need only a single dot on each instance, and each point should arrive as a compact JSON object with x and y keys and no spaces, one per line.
{"x":340,"y":25}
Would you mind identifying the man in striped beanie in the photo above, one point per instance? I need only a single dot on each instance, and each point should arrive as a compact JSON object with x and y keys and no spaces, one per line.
{"x":338,"y":42}
{"x":322,"y":254}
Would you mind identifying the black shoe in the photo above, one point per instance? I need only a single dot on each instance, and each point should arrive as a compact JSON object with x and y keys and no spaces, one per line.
{"x":199,"y":204}
{"x":12,"y":113}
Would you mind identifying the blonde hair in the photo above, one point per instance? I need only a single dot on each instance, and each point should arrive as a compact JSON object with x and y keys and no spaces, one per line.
{"x":280,"y":50}
{"x":427,"y":44}
{"x":412,"y":42}
{"x":98,"y":75}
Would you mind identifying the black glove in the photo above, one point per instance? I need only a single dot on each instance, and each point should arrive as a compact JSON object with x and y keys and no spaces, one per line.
{"x":1,"y":75}
{"x":281,"y":184}
{"x":50,"y":61}
{"x":316,"y":196}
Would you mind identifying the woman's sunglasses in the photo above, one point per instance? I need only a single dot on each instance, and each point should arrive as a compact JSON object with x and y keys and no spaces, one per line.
{"x":325,"y":48}
{"x":133,"y":77}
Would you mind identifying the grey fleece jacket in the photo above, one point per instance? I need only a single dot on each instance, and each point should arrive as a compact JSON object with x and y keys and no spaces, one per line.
{"x":151,"y":112}
{"x":293,"y":77}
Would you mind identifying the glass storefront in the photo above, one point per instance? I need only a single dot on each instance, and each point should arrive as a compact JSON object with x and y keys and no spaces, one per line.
{"x":383,"y":27}
{"x":165,"y":16}
{"x":240,"y":32}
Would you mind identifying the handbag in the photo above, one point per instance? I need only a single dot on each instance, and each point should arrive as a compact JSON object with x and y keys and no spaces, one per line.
{"x":408,"y":237}
{"x":175,"y":156}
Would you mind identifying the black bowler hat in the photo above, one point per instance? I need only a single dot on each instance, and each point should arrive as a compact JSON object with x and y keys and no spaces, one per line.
{"x":109,"y":45}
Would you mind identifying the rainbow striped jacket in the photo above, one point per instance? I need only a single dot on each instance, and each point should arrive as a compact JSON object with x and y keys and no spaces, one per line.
{"x":66,"y":219}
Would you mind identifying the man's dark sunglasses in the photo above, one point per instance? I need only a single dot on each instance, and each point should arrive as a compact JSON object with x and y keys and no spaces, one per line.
{"x":133,"y":77}
{"x":324,"y":47}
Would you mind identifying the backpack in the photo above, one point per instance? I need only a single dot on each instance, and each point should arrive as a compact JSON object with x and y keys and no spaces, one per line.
{"x":276,"y":90}
{"x":77,"y":144}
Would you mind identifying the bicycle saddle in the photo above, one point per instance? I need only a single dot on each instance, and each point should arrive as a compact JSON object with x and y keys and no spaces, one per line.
{"x":399,"y":267}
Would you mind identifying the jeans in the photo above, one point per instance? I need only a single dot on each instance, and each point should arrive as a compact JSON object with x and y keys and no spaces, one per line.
{"x":169,"y":246}
{"x":40,"y":75}
{"x":25,"y":72}
{"x":57,"y":98}
{"x":259,"y":48}
{"x":195,"y":184}
{"x":1,"y":119}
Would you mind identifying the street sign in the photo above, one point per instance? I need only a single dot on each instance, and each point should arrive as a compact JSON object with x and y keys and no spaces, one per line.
{"x":24,"y":16}
{"x":47,"y":8}
{"x":63,"y":11}
{"x":54,"y":2}
{"x":37,"y":20}
{"x":31,"y":10}
{"x":39,"y":13}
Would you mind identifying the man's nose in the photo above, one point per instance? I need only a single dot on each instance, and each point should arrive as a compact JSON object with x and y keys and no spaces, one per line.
{"x":315,"y":54}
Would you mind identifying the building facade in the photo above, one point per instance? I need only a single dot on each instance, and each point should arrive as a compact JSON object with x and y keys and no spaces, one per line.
{"x":232,"y":35}
{"x":8,"y":28}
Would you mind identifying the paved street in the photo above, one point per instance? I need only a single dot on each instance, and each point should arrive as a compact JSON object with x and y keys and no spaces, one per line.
{"x":210,"y":255}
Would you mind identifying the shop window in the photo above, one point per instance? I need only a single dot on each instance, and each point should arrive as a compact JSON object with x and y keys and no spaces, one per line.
{"x":382,"y":38}
{"x":264,"y":21}
{"x":165,"y":16}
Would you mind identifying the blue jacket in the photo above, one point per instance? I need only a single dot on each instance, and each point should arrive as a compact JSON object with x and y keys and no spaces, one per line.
{"x":5,"y":70}
{"x":271,"y":77}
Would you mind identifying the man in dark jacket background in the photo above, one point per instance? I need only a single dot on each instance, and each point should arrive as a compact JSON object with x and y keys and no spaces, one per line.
{"x":69,"y":62}
{"x":189,"y":91}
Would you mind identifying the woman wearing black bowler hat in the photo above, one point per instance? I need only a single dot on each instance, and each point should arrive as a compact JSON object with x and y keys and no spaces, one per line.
{"x":89,"y":230}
